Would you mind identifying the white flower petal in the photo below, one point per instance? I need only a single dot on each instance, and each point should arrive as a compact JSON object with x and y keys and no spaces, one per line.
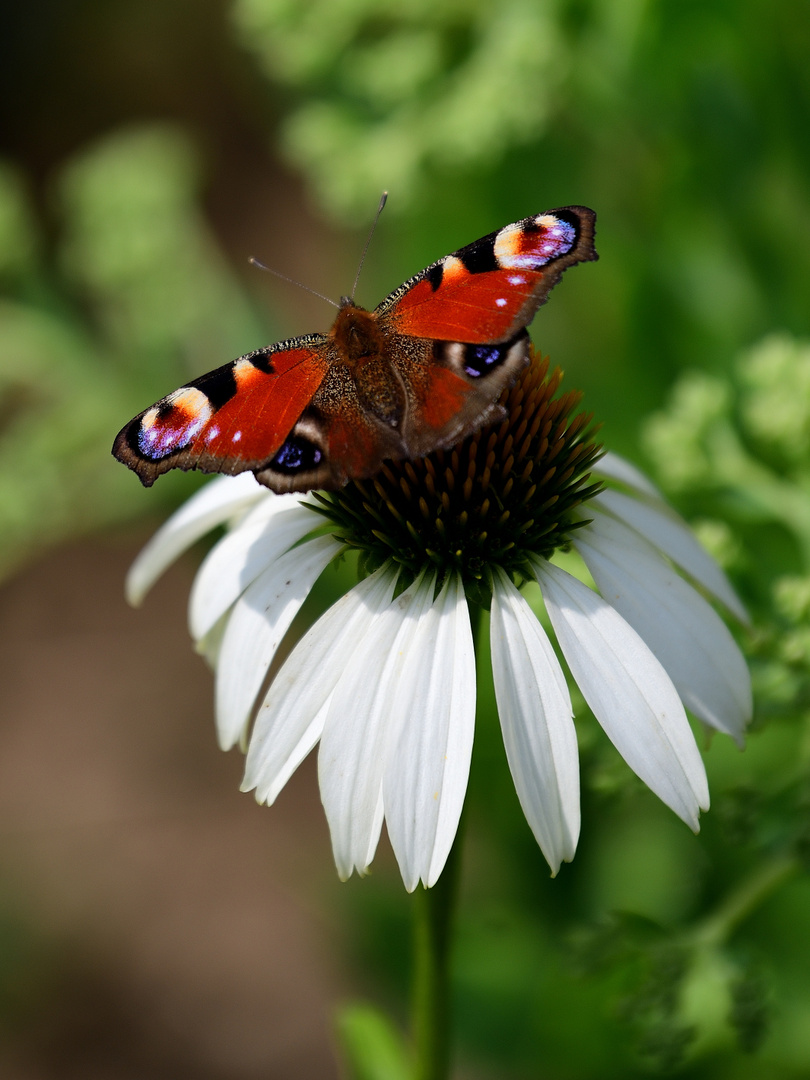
{"x":258,"y":622}
{"x":212,"y":505}
{"x":284,"y":733}
{"x":357,"y":736}
{"x":208,"y":647}
{"x":659,"y":524}
{"x":297,"y":751}
{"x":433,"y":707}
{"x":682,"y":629}
{"x":537,"y":723}
{"x":241,"y":556}
{"x":628,"y":690}
{"x":613,"y":467}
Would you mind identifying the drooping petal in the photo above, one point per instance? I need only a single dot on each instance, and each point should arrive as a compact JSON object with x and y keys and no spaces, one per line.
{"x":628,"y":690}
{"x":308,"y":736}
{"x":433,"y":708}
{"x":682,"y":629}
{"x":258,"y":622}
{"x":241,"y":556}
{"x":212,"y":505}
{"x":291,"y":718}
{"x":659,"y":524}
{"x":208,"y":647}
{"x":537,"y":723}
{"x":357,"y":736}
{"x":613,"y":467}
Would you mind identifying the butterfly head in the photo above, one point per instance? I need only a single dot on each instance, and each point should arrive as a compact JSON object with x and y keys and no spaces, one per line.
{"x":357,"y":334}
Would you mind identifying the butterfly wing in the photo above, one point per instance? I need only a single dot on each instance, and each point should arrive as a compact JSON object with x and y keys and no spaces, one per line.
{"x":235,"y":419}
{"x":473,"y":307}
{"x":420,"y":372}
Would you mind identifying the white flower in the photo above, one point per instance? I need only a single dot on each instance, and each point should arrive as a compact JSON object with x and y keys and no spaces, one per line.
{"x":388,"y":684}
{"x":385,"y":680}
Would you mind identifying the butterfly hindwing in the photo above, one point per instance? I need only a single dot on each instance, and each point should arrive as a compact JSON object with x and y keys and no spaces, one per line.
{"x":457,"y":390}
{"x":334,"y":440}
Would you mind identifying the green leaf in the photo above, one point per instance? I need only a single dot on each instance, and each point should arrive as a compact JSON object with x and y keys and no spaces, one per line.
{"x":372,"y":1048}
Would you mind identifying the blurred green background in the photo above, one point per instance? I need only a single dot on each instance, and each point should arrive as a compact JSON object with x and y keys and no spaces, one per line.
{"x":147,"y":151}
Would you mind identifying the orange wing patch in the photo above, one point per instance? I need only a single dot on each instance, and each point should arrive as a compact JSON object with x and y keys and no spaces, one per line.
{"x":473,"y":308}
{"x":253,"y":424}
{"x":233,"y":419}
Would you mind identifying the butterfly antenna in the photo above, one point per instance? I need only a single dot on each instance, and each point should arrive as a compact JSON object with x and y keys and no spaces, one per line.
{"x":383,"y":200}
{"x":292,"y":281}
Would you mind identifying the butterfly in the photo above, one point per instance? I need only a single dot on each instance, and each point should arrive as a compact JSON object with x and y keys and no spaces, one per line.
{"x":421,"y":371}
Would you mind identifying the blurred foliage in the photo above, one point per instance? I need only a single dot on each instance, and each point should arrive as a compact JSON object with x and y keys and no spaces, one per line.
{"x":386,"y":91}
{"x":372,"y":1045}
{"x":685,"y":126}
{"x":139,"y":299}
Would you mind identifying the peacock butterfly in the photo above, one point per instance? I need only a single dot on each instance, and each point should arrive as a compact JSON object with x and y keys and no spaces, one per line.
{"x":421,"y":371}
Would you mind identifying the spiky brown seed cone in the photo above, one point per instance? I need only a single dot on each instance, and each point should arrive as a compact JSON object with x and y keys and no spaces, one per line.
{"x":502,"y":493}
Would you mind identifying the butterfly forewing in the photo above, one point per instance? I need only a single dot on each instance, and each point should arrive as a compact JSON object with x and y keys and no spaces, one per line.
{"x":489,"y":290}
{"x":231,"y":420}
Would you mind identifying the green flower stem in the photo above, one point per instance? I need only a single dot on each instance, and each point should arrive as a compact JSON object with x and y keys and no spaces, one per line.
{"x":433,"y":920}
{"x":749,"y":895}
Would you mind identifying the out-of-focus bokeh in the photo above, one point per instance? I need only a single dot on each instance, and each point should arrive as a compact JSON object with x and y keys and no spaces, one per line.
{"x":153,"y":921}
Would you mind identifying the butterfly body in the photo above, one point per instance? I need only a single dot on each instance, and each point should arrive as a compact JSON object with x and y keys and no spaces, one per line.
{"x":421,"y":371}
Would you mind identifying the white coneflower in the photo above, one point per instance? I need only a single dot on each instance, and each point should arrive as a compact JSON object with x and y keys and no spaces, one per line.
{"x":385,"y":679}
